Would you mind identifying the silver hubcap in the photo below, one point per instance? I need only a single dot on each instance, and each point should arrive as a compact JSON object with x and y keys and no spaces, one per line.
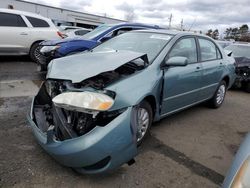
{"x":220,"y":94}
{"x":143,"y":122}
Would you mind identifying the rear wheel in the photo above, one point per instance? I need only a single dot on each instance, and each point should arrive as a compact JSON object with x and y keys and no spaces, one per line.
{"x":144,"y":116}
{"x":219,"y":95}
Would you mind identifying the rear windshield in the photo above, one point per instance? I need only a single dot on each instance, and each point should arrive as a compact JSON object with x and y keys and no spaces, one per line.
{"x":239,"y":50}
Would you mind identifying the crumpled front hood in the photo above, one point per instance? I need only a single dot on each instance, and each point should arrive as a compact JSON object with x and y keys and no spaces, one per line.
{"x":86,"y":65}
{"x":242,"y":62}
{"x":66,"y":40}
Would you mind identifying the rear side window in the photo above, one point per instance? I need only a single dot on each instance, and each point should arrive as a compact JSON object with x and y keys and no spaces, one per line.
{"x":209,"y":51}
{"x":11,"y":20}
{"x":35,"y":22}
{"x":185,"y":48}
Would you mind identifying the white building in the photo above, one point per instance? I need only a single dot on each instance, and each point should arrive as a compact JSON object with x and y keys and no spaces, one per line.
{"x":58,"y":15}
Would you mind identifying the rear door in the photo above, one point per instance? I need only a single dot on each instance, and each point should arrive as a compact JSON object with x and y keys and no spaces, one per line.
{"x":13,"y":34}
{"x":182,"y":84}
{"x":213,"y":66}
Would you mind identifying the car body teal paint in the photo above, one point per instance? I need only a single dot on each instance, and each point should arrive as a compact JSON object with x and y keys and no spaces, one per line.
{"x":174,"y":88}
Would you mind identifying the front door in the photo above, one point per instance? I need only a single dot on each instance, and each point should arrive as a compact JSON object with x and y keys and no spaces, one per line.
{"x":13,"y":34}
{"x":182,"y":84}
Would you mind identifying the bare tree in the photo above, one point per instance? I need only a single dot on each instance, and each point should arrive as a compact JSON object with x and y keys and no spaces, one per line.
{"x":130,"y":15}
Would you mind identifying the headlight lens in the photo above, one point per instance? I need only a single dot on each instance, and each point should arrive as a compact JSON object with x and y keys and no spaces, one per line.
{"x":82,"y":101}
{"x":242,"y":179}
{"x":46,"y":49}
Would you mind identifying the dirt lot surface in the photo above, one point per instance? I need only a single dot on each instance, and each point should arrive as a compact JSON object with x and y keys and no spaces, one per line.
{"x":193,"y":148}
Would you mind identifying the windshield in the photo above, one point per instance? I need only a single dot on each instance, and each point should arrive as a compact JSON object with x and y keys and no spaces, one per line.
{"x":239,"y":50}
{"x":149,"y":43}
{"x":97,"y":31}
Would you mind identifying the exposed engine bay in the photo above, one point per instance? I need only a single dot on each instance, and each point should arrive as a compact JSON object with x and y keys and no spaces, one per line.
{"x":243,"y":72}
{"x":243,"y":67}
{"x":68,"y":124}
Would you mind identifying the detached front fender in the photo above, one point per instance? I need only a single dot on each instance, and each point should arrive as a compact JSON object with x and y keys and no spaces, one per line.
{"x":131,"y":91}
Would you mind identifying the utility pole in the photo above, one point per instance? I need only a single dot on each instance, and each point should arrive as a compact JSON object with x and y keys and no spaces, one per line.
{"x":170,"y":20}
{"x":182,"y":24}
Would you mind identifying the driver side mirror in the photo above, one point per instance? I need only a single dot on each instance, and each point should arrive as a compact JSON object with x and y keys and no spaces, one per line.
{"x":176,"y":61}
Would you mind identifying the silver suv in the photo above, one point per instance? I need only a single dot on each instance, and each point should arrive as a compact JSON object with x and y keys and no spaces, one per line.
{"x":21,"y":32}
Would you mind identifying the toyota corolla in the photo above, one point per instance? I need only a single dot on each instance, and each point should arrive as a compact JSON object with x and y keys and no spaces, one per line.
{"x":96,"y":107}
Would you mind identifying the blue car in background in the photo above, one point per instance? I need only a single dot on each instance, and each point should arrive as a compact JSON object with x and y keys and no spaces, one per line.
{"x":52,"y":49}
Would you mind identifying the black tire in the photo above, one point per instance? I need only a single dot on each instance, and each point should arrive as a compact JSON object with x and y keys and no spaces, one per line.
{"x":147,"y":107}
{"x":33,"y":50}
{"x":247,"y":87}
{"x":215,"y":102}
{"x":41,"y":67}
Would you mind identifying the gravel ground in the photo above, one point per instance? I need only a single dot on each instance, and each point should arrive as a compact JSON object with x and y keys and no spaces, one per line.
{"x":193,"y":148}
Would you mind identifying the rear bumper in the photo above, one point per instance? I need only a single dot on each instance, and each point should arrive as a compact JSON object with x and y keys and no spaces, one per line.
{"x":100,"y":150}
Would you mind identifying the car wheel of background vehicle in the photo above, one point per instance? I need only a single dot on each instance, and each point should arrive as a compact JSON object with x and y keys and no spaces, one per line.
{"x":34,"y":52}
{"x":144,"y":121}
{"x":41,"y":67}
{"x":219,"y":95}
{"x":247,"y":87}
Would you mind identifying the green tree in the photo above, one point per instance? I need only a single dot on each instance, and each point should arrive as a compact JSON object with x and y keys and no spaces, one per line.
{"x":209,"y":32}
{"x":235,"y":33}
{"x":215,"y":34}
{"x":228,"y":33}
{"x":243,"y":29}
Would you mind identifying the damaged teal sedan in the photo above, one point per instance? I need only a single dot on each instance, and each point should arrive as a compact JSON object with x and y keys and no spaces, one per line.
{"x":96,"y":107}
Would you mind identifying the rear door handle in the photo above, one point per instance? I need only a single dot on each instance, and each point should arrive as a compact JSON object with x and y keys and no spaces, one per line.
{"x":23,"y":33}
{"x":198,"y":68}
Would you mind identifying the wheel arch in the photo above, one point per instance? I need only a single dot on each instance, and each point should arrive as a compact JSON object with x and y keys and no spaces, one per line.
{"x":226,"y":79}
{"x":152,"y":101}
{"x":38,"y":41}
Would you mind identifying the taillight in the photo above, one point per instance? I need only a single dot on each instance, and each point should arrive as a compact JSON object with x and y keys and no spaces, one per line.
{"x":61,"y":35}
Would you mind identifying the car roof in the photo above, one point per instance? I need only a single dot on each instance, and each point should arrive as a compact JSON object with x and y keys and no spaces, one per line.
{"x":12,"y":11}
{"x":170,"y":32}
{"x":240,"y":44}
{"x":132,"y":24}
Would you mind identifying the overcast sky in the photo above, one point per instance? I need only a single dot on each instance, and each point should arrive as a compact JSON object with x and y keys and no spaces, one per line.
{"x":196,"y":14}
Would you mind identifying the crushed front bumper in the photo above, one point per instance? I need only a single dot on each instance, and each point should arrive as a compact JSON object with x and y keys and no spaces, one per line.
{"x":100,"y":150}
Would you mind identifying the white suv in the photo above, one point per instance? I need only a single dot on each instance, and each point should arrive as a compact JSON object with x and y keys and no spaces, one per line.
{"x":21,"y":32}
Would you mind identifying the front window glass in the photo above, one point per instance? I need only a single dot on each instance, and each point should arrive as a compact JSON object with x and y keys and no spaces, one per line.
{"x":239,"y":50}
{"x":11,"y":20}
{"x":185,"y":48}
{"x":97,"y":31}
{"x":148,"y":43}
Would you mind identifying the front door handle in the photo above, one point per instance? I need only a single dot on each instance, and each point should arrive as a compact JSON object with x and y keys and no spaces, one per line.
{"x":23,"y":33}
{"x":198,"y":68}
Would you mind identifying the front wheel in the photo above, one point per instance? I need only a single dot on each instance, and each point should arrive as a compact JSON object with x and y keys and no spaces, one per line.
{"x":35,"y":52}
{"x":219,"y":95}
{"x":144,"y":118}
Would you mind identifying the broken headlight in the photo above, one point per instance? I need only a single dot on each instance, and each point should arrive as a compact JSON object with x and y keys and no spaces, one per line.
{"x":83,"y":101}
{"x":46,"y":49}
